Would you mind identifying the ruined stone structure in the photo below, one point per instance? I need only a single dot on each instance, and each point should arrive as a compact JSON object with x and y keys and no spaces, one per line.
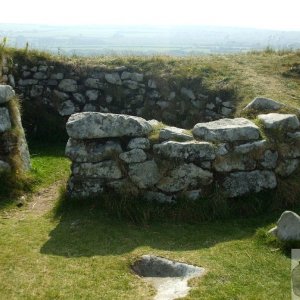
{"x":129,"y":155}
{"x":14,"y":154}
{"x":65,"y":89}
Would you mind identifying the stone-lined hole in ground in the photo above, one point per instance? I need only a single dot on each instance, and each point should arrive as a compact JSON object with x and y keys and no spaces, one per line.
{"x":169,"y":278}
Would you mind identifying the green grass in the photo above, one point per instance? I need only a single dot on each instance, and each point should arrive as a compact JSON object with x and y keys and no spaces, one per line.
{"x":48,"y":166}
{"x":80,"y":251}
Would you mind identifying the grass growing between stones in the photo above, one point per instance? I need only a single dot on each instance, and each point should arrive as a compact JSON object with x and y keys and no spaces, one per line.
{"x":80,"y":251}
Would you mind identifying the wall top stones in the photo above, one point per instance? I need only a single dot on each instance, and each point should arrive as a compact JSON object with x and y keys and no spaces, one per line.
{"x":124,"y":154}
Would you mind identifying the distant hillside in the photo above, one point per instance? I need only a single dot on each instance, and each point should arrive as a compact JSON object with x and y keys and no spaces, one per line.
{"x":146,"y":40}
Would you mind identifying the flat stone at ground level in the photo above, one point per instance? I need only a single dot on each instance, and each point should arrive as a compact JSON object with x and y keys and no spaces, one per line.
{"x":279,"y":121}
{"x":227,"y":130}
{"x":91,"y":125}
{"x":241,"y":183}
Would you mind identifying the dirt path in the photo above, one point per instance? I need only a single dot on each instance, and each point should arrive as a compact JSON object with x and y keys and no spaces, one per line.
{"x":38,"y":204}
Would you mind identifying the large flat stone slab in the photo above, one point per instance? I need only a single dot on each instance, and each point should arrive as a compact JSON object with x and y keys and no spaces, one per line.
{"x":279,"y":121}
{"x":227,"y":130}
{"x":241,"y":183}
{"x":6,"y":93}
{"x":92,"y":125}
{"x":189,"y":151}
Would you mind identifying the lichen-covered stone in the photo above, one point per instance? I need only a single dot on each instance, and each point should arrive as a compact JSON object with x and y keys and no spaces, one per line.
{"x":78,"y":188}
{"x":113,"y":78}
{"x":92,"y":151}
{"x":275,"y":121}
{"x":5,"y":123}
{"x":260,"y":104}
{"x":174,"y":133}
{"x":140,"y":143}
{"x":241,"y":183}
{"x":93,"y":83}
{"x":186,"y":176}
{"x":6,"y":93}
{"x":133,"y":156}
{"x":91,"y":125}
{"x":145,"y":174}
{"x":234,"y":163}
{"x":269,"y":159}
{"x":189,"y":151}
{"x":108,"y":169}
{"x":227,"y":130}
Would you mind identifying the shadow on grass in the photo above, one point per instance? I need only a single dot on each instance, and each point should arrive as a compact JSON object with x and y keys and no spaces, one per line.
{"x":86,"y":232}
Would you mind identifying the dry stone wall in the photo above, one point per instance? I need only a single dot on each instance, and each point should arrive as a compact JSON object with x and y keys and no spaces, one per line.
{"x":129,"y":155}
{"x":14,"y":154}
{"x":66,"y":89}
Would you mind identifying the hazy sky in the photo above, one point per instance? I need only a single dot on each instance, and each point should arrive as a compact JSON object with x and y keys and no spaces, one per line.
{"x":271,"y":14}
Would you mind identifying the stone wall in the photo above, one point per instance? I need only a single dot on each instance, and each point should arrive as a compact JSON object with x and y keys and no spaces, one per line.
{"x":14,"y":154}
{"x":129,"y":155}
{"x":65,"y":89}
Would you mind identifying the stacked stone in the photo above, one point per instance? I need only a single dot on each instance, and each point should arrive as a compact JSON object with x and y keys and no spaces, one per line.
{"x":11,"y":145}
{"x":112,"y":152}
{"x":113,"y":90}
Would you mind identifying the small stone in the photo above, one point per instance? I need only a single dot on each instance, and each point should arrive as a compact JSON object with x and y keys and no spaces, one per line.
{"x":92,"y":151}
{"x":249,"y":147}
{"x":68,"y":85}
{"x":79,"y":98}
{"x":145,"y":174}
{"x":43,"y":68}
{"x":4,"y":166}
{"x":288,"y":227}
{"x":40,"y":75}
{"x":269,"y":159}
{"x":139,"y":143}
{"x":228,"y":104}
{"x":229,"y":130}
{"x":193,"y":195}
{"x":25,"y":82}
{"x":60,"y":95}
{"x":5,"y":123}
{"x":92,"y":95}
{"x":89,"y":108}
{"x":226,"y":111}
{"x":133,"y":156}
{"x":210,"y":105}
{"x":188,"y":151}
{"x":163,"y":104}
{"x":159,"y":197}
{"x":188,"y":93}
{"x":93,"y":83}
{"x":284,"y":122}
{"x":106,"y":170}
{"x":6,"y":93}
{"x":174,"y":133}
{"x":183,"y":177}
{"x":66,"y":108}
{"x":172,"y":96}
{"x":260,"y":104}
{"x":113,"y":78}
{"x":108,"y":99}
{"x":36,"y":91}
